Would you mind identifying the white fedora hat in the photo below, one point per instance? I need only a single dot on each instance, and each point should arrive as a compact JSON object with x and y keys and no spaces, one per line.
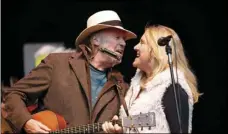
{"x":102,"y":20}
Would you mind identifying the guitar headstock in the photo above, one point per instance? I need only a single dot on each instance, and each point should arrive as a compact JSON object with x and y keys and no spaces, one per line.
{"x":140,"y":120}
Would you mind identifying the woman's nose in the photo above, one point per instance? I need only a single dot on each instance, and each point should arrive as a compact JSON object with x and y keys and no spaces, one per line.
{"x":136,"y":47}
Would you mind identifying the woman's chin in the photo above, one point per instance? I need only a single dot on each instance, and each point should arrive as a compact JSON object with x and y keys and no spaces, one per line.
{"x":135,"y":64}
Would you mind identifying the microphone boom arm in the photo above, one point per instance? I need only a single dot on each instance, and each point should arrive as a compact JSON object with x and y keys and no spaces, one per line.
{"x":164,"y":41}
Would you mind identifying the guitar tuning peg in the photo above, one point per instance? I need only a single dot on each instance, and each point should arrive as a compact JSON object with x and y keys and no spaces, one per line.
{"x":140,"y":113}
{"x":141,"y":128}
{"x":149,"y":127}
{"x":130,"y":129}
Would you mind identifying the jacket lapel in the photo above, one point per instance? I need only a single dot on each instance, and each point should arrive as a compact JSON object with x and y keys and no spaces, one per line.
{"x":78,"y":63}
{"x":79,"y":67}
{"x":103,"y":98}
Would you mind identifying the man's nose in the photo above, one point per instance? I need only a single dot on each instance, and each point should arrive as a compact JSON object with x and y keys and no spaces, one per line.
{"x":122,"y":43}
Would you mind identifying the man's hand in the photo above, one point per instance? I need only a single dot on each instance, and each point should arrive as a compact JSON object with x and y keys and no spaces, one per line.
{"x":33,"y":126}
{"x":109,"y":128}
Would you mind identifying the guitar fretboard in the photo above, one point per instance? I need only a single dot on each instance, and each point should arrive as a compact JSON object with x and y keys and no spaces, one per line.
{"x":89,"y":128}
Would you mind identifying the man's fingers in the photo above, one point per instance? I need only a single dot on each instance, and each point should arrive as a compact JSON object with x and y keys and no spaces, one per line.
{"x":108,"y":127}
{"x":117,"y":128}
{"x":111,"y":127}
{"x":42,"y":131}
{"x":104,"y":126}
{"x":44,"y":127}
{"x":115,"y":117}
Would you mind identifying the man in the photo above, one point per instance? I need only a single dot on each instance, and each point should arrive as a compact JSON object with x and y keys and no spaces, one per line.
{"x":79,"y":86}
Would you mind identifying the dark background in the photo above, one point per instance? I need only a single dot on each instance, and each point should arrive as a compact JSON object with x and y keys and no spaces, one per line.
{"x":201,"y":25}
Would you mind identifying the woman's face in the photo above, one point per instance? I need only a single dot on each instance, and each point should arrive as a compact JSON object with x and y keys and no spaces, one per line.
{"x":143,"y":56}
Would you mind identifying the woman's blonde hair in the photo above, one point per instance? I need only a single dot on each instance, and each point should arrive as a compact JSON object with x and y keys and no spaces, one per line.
{"x":160,"y":63}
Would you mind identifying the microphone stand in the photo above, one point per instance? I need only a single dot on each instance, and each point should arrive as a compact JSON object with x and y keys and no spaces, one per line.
{"x":169,"y":52}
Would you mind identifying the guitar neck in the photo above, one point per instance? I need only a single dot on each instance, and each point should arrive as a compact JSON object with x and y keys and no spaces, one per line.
{"x":89,"y":128}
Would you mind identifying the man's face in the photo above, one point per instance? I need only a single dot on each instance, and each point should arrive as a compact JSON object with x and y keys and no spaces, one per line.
{"x":114,"y":40}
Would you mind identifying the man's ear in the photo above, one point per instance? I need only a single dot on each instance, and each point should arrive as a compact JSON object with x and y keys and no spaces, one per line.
{"x":95,"y":41}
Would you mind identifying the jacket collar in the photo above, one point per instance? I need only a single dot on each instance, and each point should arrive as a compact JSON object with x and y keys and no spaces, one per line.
{"x":79,"y":62}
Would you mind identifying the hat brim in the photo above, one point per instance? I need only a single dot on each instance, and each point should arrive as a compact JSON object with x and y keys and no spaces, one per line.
{"x":88,"y":31}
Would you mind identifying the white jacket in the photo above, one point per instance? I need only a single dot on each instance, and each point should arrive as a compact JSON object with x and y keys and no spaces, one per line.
{"x":150,"y":100}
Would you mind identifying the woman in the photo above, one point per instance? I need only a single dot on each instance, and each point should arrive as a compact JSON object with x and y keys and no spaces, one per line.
{"x":151,"y":88}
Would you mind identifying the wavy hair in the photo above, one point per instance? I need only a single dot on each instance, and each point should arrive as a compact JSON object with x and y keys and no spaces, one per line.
{"x":152,"y":34}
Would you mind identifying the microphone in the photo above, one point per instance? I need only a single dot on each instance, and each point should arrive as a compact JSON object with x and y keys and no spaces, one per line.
{"x":164,"y":40}
{"x":109,"y":52}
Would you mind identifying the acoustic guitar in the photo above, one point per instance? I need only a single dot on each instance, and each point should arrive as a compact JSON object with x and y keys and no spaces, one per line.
{"x":57,"y":124}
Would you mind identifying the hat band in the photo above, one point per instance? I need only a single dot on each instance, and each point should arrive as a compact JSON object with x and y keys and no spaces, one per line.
{"x":113,"y":23}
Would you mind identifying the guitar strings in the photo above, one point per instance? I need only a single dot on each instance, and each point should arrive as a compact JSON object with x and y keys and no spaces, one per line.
{"x":79,"y":129}
{"x":83,"y":128}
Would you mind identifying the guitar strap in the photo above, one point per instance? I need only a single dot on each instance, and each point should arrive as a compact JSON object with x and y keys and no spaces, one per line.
{"x":122,"y":100}
{"x":120,"y":92}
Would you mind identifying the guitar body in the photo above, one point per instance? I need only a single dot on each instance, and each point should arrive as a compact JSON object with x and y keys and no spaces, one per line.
{"x":50,"y":119}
